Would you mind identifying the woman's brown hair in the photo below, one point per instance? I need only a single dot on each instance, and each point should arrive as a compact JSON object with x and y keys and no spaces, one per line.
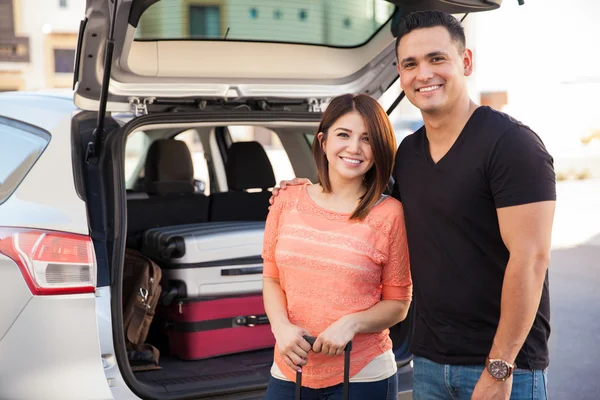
{"x":381,"y":139}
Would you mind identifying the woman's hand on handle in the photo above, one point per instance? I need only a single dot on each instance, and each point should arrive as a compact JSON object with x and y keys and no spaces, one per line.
{"x":333,"y":340}
{"x":292,"y":346}
{"x":284,"y":184}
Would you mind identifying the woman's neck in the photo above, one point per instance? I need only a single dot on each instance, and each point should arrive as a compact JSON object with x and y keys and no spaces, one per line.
{"x":345,"y":189}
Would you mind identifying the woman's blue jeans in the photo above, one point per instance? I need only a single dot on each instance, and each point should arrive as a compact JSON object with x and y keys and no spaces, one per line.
{"x":386,"y":389}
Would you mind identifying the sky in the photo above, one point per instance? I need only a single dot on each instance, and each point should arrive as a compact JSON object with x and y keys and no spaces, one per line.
{"x":545,"y":54}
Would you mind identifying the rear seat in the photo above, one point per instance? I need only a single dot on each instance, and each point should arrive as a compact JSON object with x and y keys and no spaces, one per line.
{"x":248,"y":167}
{"x":171,"y":198}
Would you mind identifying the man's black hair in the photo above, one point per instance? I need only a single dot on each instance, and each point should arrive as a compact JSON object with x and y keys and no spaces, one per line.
{"x":429,"y":19}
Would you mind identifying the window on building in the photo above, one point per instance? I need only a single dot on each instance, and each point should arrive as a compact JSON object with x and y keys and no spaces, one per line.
{"x":63,"y":3}
{"x":302,"y":15}
{"x":205,"y":21}
{"x":64,"y":61}
{"x":7,"y":27}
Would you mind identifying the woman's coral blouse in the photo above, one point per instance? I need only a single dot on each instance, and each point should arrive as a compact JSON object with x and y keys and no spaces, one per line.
{"x":329,"y":266}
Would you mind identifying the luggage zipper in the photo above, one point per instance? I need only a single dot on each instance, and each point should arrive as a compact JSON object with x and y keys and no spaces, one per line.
{"x":145,"y":293}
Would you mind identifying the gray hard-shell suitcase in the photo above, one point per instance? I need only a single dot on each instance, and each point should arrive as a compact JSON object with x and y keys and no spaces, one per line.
{"x":209,"y":259}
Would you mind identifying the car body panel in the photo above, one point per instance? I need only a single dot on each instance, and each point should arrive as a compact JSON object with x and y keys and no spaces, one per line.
{"x":59,"y":208}
{"x":117,"y":385}
{"x":51,"y":351}
{"x":14,"y":293}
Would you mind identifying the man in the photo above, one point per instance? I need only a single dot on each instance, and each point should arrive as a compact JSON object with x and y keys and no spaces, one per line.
{"x":478,"y":190}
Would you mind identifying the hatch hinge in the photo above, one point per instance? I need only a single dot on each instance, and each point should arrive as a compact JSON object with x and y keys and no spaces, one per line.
{"x":92,"y":153}
{"x":140,"y":107}
{"x":317,"y":105}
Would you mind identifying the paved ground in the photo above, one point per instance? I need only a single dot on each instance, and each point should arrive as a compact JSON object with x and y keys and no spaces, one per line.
{"x":574,"y":373}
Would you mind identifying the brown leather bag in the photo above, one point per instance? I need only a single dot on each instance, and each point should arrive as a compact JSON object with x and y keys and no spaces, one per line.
{"x":141,"y":292}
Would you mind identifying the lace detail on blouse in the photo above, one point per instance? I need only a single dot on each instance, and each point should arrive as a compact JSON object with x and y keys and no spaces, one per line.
{"x":329,"y":266}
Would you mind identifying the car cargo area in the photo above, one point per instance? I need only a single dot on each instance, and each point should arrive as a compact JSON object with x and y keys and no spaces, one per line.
{"x":225,"y":372}
{"x":196,"y":204}
{"x":197,"y":201}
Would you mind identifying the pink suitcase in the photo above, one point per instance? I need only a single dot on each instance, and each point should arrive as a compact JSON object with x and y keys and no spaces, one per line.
{"x":203,"y":328}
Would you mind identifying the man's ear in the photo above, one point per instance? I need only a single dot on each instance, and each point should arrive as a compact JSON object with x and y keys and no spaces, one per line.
{"x":468,"y":61}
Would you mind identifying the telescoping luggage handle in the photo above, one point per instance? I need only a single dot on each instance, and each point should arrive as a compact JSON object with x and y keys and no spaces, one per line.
{"x":347,"y":350}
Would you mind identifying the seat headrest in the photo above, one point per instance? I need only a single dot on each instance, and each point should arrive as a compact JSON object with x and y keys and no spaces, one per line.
{"x":248,"y":167}
{"x":169,"y":168}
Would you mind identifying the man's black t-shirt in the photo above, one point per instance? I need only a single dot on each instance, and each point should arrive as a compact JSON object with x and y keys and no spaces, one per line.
{"x":458,"y":258}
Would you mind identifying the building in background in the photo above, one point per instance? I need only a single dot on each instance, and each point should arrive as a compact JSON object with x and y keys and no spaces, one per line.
{"x":328,"y":22}
{"x":38,"y":39}
{"x":14,"y":48}
{"x":532,"y":61}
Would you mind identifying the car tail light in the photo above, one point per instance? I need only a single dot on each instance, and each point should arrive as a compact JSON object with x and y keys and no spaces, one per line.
{"x":51,"y":262}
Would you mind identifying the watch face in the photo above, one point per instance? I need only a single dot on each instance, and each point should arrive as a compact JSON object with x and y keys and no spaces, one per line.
{"x":498,"y":369}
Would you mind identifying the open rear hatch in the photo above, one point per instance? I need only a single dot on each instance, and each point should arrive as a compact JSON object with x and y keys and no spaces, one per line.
{"x":180,"y":49}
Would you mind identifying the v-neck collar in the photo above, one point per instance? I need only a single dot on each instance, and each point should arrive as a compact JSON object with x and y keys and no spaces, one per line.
{"x":456,"y":143}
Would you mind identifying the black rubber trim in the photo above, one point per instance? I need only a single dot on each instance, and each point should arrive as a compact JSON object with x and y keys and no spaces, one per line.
{"x":137,"y":9}
{"x":221,"y":323}
{"x":114,"y":147}
{"x":395,"y":103}
{"x":241,"y":271}
{"x":90,"y":186}
{"x":230,"y":262}
{"x":220,"y":116}
{"x":82,"y":26}
{"x":78,"y":126}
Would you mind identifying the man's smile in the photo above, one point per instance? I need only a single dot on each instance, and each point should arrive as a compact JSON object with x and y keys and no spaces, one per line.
{"x":429,"y":88}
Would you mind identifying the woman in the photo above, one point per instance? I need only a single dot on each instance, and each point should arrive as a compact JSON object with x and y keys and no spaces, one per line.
{"x":336,"y":261}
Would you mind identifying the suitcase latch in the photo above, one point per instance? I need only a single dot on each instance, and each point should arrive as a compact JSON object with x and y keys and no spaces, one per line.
{"x":250,"y":320}
{"x":243,"y":321}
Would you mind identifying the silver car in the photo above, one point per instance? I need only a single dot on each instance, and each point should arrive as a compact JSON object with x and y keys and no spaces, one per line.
{"x":70,"y":170}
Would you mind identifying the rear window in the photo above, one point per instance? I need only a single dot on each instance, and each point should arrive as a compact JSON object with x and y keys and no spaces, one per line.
{"x":344,"y":23}
{"x":20,"y":147}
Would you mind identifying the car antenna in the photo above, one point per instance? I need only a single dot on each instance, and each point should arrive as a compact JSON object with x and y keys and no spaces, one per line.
{"x":521,"y":2}
{"x":226,"y":33}
{"x":93,"y":149}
